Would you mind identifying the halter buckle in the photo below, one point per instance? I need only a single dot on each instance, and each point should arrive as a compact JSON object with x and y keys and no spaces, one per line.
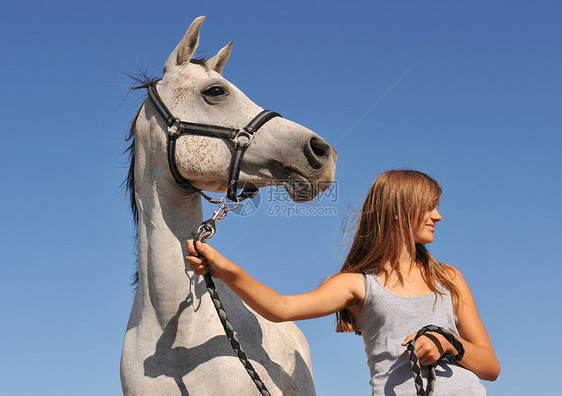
{"x":242,"y":132}
{"x":173,"y":128}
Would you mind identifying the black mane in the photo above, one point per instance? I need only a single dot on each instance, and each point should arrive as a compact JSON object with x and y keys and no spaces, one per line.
{"x":141,"y":82}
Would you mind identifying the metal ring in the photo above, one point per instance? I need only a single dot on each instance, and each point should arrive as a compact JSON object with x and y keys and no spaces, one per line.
{"x":211,"y":229}
{"x":225,"y":207}
{"x":242,"y":132}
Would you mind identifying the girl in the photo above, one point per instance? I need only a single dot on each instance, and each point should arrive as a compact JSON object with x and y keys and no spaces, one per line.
{"x":388,"y":288}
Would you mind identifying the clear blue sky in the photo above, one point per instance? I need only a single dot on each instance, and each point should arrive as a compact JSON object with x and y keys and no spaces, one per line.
{"x":467,"y":91}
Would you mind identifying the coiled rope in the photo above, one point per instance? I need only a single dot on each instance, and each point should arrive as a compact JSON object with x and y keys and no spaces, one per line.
{"x":415,"y":363}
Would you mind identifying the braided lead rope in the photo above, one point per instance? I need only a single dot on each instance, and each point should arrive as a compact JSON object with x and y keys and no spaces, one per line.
{"x":206,"y":233}
{"x":415,"y":364}
{"x":416,"y":370}
{"x":232,"y":337}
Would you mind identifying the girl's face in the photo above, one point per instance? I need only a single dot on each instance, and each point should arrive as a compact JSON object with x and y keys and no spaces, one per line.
{"x":424,"y":233}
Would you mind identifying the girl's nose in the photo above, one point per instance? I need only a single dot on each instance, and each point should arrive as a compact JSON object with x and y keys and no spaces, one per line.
{"x":436,"y":216}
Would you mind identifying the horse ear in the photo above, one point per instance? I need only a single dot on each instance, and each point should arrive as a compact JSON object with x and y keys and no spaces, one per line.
{"x":187,"y":46}
{"x":218,"y":61}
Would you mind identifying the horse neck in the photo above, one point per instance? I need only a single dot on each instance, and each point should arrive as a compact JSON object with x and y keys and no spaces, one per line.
{"x":167,"y":218}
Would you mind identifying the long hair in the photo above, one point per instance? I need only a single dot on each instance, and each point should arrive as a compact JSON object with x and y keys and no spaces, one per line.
{"x":391,"y":214}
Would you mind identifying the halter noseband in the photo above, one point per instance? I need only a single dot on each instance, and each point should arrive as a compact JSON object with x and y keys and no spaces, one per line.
{"x":177,"y":128}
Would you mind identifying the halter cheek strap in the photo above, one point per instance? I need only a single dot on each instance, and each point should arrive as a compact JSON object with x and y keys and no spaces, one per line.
{"x":248,"y":133}
{"x":242,"y":138}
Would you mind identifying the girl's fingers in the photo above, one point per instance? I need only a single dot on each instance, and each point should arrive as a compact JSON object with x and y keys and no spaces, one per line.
{"x":427,"y":351}
{"x":198,"y":269}
{"x":191,"y":248}
{"x":424,"y":350}
{"x":199,"y":265}
{"x":195,"y":260}
{"x":207,"y":250}
{"x":405,"y":342}
{"x":410,"y":337}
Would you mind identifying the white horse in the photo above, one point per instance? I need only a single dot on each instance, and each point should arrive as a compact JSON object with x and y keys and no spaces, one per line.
{"x":175,"y":344}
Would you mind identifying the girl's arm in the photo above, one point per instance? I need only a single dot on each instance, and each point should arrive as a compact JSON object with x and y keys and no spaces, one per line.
{"x":340,"y":291}
{"x":479,"y":356}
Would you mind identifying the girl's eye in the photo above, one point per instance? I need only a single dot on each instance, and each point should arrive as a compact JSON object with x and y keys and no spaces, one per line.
{"x":215,"y":91}
{"x":432,"y":208}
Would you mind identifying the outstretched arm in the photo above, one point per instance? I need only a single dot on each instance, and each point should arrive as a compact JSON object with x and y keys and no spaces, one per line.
{"x":339,"y":291}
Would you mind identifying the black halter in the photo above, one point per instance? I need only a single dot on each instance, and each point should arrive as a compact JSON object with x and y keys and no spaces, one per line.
{"x":177,"y":128}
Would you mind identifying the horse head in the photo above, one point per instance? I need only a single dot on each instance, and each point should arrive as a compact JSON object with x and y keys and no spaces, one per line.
{"x":281,"y":152}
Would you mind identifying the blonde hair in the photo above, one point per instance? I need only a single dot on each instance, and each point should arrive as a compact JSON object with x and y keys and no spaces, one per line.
{"x":392,"y":211}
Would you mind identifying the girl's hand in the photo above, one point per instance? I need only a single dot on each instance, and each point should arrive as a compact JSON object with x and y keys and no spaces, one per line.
{"x":207,"y":258}
{"x":430,"y":347}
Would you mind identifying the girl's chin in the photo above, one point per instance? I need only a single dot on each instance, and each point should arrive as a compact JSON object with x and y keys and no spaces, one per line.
{"x":425,"y":240}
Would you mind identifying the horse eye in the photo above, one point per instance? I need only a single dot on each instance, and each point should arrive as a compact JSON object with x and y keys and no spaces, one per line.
{"x":215,"y":90}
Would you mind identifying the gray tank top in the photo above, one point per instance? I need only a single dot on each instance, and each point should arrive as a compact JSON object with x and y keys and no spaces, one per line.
{"x":386,"y":320}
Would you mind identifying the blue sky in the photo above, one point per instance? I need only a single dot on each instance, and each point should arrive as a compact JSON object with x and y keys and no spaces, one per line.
{"x":468,"y":92}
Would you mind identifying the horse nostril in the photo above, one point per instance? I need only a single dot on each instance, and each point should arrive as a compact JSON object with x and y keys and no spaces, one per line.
{"x":319,"y":147}
{"x":317,"y":152}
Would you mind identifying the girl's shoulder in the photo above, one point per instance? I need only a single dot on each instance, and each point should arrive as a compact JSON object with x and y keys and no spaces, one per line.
{"x":456,"y":276}
{"x":450,"y":269}
{"x":354,"y":282}
{"x":351,"y":278}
